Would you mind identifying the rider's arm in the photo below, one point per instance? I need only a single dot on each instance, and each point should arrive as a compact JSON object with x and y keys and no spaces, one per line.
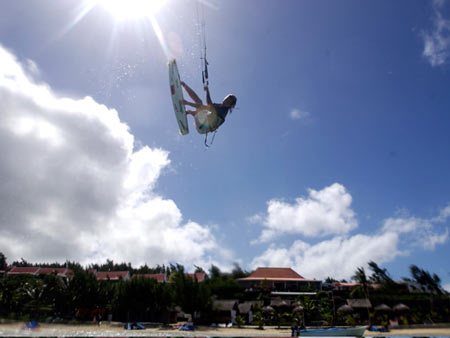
{"x":208,"y":96}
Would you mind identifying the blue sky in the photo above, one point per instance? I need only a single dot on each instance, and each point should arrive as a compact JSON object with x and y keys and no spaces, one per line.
{"x":337,"y":153}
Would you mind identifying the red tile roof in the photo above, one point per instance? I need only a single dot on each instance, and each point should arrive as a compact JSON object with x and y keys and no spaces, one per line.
{"x":37,"y":270}
{"x":17,"y":270}
{"x":199,"y":275}
{"x":59,"y":271}
{"x":112,"y":275}
{"x":345,"y":284}
{"x":281,"y":274}
{"x":159,"y":277}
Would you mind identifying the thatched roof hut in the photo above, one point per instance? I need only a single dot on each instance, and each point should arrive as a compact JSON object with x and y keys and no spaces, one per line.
{"x":280,"y":303}
{"x":246,"y":306}
{"x":400,"y":307}
{"x":298,"y":308}
{"x":345,"y":308}
{"x":360,"y":303}
{"x":225,"y":305}
{"x":268,"y":309}
{"x":223,"y":310}
{"x":382,"y":308}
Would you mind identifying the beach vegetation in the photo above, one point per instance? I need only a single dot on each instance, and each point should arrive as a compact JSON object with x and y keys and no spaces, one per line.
{"x":82,"y":297}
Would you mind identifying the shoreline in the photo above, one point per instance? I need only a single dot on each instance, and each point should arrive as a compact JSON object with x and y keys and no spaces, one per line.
{"x":116,"y":329}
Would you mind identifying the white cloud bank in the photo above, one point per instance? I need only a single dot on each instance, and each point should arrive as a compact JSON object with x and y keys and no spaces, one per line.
{"x":338,"y":257}
{"x":328,"y":212}
{"x":324,"y":212}
{"x":419,"y":232}
{"x":437,"y":42}
{"x":73,"y":186}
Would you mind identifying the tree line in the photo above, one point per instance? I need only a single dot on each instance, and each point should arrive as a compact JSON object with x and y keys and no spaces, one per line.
{"x":49,"y":297}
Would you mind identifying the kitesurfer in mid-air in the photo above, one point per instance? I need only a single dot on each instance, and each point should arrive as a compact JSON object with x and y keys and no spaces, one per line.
{"x":209,"y":116}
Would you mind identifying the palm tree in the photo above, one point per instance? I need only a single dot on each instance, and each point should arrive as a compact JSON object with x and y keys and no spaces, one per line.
{"x":429,"y":283}
{"x":32,"y":293}
{"x":3,"y":264}
{"x":425,"y":279}
{"x":361,"y":278}
{"x":380,"y":276}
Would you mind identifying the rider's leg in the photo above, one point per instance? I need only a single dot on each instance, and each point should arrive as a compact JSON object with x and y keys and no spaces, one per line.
{"x":187,"y":103}
{"x":191,"y":93}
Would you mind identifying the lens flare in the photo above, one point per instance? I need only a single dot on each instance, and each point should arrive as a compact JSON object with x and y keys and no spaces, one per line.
{"x":131,"y":9}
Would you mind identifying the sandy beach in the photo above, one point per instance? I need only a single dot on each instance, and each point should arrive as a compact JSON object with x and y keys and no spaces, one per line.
{"x":116,"y":330}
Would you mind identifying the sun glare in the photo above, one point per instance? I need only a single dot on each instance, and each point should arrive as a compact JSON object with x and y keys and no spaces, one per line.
{"x":131,"y":9}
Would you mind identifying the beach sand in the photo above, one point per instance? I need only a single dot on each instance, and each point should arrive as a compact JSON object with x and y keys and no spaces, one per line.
{"x":116,"y":330}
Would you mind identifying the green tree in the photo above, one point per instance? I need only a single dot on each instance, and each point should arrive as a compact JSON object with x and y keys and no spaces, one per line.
{"x":85,"y":292}
{"x":192,"y":296}
{"x":330,"y":280}
{"x":429,"y":282}
{"x":32,"y":295}
{"x":3,"y":264}
{"x":237,"y":272}
{"x":380,"y":276}
{"x":310,"y":309}
{"x":21,"y":263}
{"x":258,"y":319}
{"x":361,"y":278}
{"x":214,"y":272}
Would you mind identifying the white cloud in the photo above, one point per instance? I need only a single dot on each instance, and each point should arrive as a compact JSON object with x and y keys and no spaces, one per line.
{"x":324,"y":212}
{"x":433,"y":239}
{"x":419,"y":232}
{"x":297,"y":114}
{"x":437,"y":42}
{"x":404,"y":225}
{"x":73,"y":186}
{"x":443,"y":215}
{"x":328,"y":212}
{"x":255,"y":219}
{"x":338,"y":257}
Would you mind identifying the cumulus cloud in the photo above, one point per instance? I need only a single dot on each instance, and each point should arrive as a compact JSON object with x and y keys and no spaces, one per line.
{"x":338,"y":257}
{"x":328,"y":212}
{"x":437,"y":41}
{"x":296,"y":114}
{"x":323,"y":212}
{"x":74,"y":186}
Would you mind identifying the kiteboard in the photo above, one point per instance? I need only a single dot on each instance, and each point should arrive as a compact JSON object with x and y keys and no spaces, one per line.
{"x":177,"y":97}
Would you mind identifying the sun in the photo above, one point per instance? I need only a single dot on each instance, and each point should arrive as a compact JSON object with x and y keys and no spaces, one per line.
{"x":131,"y":9}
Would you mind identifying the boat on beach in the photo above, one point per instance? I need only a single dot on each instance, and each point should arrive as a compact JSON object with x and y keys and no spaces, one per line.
{"x":357,"y":331}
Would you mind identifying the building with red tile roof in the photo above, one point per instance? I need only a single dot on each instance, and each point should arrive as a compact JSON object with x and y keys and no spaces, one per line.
{"x":200,"y":276}
{"x":61,"y":272}
{"x":37,"y":270}
{"x":112,"y":275}
{"x":159,"y":277}
{"x":163,"y":278}
{"x":23,"y":270}
{"x":278,"y":279}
